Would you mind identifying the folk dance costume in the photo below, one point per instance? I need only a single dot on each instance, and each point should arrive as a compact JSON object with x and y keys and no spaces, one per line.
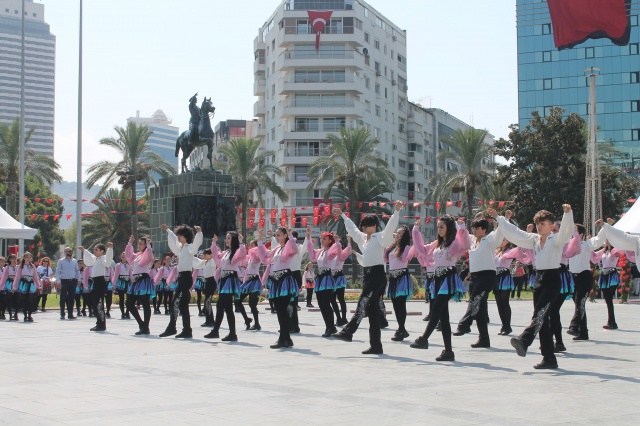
{"x":400,"y":286}
{"x":483,"y":280}
{"x":99,"y":266}
{"x":340,"y":283}
{"x":158,"y":291}
{"x":161,"y":279}
{"x":324,"y":284}
{"x":293,"y":308}
{"x":429,"y":282}
{"x":8,"y":285}
{"x":580,"y":268}
{"x":547,"y":285}
{"x":198,"y":286}
{"x":45,"y":274}
{"x":122,"y":280}
{"x":609,"y":279}
{"x":142,"y":287}
{"x":504,"y":286}
{"x":108,"y":277}
{"x":447,"y":286}
{"x":309,"y":283}
{"x":282,"y":286}
{"x":251,"y":284}
{"x":374,"y":280}
{"x":567,"y":289}
{"x":210,"y":286}
{"x":28,"y":284}
{"x":186,"y":262}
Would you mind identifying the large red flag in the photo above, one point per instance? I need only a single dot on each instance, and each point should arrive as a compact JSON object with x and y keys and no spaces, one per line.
{"x":575,"y":21}
{"x":319,"y":19}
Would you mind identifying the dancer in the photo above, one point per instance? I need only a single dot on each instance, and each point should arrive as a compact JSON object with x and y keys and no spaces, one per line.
{"x":580,"y":267}
{"x":99,"y":261}
{"x":155,"y":266}
{"x":308,"y":279}
{"x":339,"y":281}
{"x":281,"y":283}
{"x":296,"y":264}
{"x":505,"y":284}
{"x":609,"y":279}
{"x":122,"y":277}
{"x":108,"y":277}
{"x":45,"y":273}
{"x":67,"y":276}
{"x":324,"y":285}
{"x":251,"y":284}
{"x":8,"y":286}
{"x":142,"y":287}
{"x":400,"y":288}
{"x":28,"y":283}
{"x":372,"y":244}
{"x":184,"y":245}
{"x":208,"y":268}
{"x":87,"y":286}
{"x":483,"y":279}
{"x":447,"y":249}
{"x":518,"y":279}
{"x":229,"y":285}
{"x":198,"y":284}
{"x":162,"y":280}
{"x":81,"y":300}
{"x":547,"y":254}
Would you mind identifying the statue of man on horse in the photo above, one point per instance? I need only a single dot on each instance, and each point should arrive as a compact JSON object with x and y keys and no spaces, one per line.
{"x":200,"y":132}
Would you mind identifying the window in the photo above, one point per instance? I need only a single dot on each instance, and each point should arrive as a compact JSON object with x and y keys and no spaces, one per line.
{"x":547,"y":84}
{"x":376,"y":44}
{"x":367,"y":82}
{"x":34,"y":15}
{"x":402,"y":184}
{"x":546,"y":28}
{"x":589,"y":52}
{"x":333,"y":124}
{"x":633,"y":20}
{"x":386,"y":96}
{"x":377,"y":88}
{"x":376,"y":66}
{"x":377,"y":111}
{"x":546,"y":56}
{"x":635,"y":106}
{"x":376,"y":132}
{"x":306,"y":124}
{"x":635,"y":77}
{"x":402,"y":164}
{"x":635,"y":134}
{"x":366,"y":37}
{"x":546,"y":111}
{"x":633,"y":49}
{"x":367,"y":105}
{"x":366,"y":12}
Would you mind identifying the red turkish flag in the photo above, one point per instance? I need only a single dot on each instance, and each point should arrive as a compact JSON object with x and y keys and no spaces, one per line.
{"x":319,"y":19}
{"x":427,"y":219}
{"x":304,"y":221}
{"x":316,"y":211}
{"x":45,"y":216}
{"x":346,"y":206}
{"x":283,"y":221}
{"x":56,"y":217}
{"x":252,"y":212}
{"x":438,"y":205}
{"x":262,"y":223}
{"x":501,"y":204}
{"x":273,"y":220}
{"x":273,"y":213}
{"x":327,"y":210}
{"x":449,"y":203}
{"x":347,"y":214}
{"x":49,"y":200}
{"x":316,"y":219}
{"x":284,"y":213}
{"x":459,"y":204}
{"x":575,"y":21}
{"x":293,"y":221}
{"x":250,"y":222}
{"x":32,"y":217}
{"x":262,"y":212}
{"x":68,"y":216}
{"x":293,"y":211}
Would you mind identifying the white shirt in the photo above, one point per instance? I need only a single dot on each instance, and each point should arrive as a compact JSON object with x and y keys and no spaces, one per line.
{"x":581,"y":262}
{"x":100,"y":264}
{"x":208,"y":267}
{"x":481,"y":253}
{"x":184,"y":252}
{"x":621,"y":240}
{"x":373,"y":249}
{"x":547,"y":257}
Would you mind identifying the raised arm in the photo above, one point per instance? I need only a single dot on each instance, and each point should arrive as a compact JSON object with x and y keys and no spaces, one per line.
{"x":128,"y":253}
{"x":596,"y":256}
{"x":596,"y":242}
{"x":172,"y":241}
{"x":461,"y":243}
{"x":620,"y":239}
{"x":239,"y":255}
{"x":357,"y":235}
{"x":386,"y":236}
{"x":88,"y":257}
{"x":566,"y":227}
{"x":573,"y":247}
{"x":515,"y":235}
{"x":197,"y":242}
{"x":290,"y":249}
{"x":313,"y":253}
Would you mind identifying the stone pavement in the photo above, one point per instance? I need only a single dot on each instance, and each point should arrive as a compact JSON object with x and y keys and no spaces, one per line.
{"x":58,"y":372}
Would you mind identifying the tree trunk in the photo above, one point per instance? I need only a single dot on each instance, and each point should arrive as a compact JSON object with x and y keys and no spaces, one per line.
{"x":245,"y":208}
{"x":470,"y":194}
{"x":134,"y":213}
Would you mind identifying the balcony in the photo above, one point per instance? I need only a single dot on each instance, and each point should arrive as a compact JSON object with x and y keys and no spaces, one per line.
{"x":314,"y":59}
{"x":259,"y":108}
{"x":348,"y":107}
{"x":259,"y":65}
{"x":259,"y":87}
{"x":258,"y":43}
{"x":349,"y":84}
{"x":305,"y":34}
{"x":259,"y":131}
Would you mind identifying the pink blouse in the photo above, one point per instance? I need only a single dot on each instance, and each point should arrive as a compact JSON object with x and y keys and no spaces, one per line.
{"x":86,"y":274}
{"x":609,"y":258}
{"x":121,"y":269}
{"x":341,"y":255}
{"x":8,"y":272}
{"x":572,"y":248}
{"x":443,"y":256}
{"x":323,"y":257}
{"x":28,"y":271}
{"x":163,"y":273}
{"x":141,"y":261}
{"x":424,"y":252}
{"x":222,"y":259}
{"x":254,"y":258}
{"x":281,"y":258}
{"x":503,"y":260}
{"x":401,"y":262}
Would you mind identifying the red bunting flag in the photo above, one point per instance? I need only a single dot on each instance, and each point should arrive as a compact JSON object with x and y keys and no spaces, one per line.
{"x":37,"y":200}
{"x":501,"y":204}
{"x":45,"y":216}
{"x":480,"y":202}
{"x":316,"y":219}
{"x":459,"y":203}
{"x":113,"y":211}
{"x":273,"y":220}
{"x":32,"y":217}
{"x":252,"y":212}
{"x":293,"y":221}
{"x":60,"y":200}
{"x":427,"y":219}
{"x":129,"y":201}
{"x":239,"y":210}
{"x":327,"y":210}
{"x":68,"y":216}
{"x":438,"y":205}
{"x":347,"y":214}
{"x":416,"y":205}
{"x":346,"y":206}
{"x":49,"y":200}
{"x":449,"y":203}
{"x":283,"y":221}
{"x":106,"y":200}
{"x":304,"y":221}
{"x":362,"y":215}
{"x":293,"y":211}
{"x":383,"y":204}
{"x":491,"y":202}
{"x":316,"y":211}
{"x":273,"y":213}
{"x":262,"y":222}
{"x":262,"y":212}
{"x":84,"y":215}
{"x":94,"y":201}
{"x":251,"y":222}
{"x":370,"y":205}
{"x":385,"y":216}
{"x":631,"y":200}
{"x":56,"y":217}
{"x":140,"y":202}
{"x":283,"y":213}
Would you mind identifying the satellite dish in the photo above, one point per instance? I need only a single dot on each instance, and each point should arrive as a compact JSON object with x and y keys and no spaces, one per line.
{"x":365,"y":51}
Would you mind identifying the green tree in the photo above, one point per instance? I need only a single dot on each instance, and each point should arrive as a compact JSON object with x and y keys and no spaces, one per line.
{"x":136,"y":162}
{"x":249,"y":169}
{"x":44,"y":169}
{"x":469,"y":150}
{"x":49,"y":233}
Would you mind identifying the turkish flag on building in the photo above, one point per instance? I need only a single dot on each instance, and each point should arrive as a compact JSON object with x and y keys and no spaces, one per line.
{"x":575,"y":21}
{"x":319,"y":19}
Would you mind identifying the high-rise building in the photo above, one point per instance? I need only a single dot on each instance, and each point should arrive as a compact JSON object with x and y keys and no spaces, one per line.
{"x":162,"y":141}
{"x":551,"y":78}
{"x":40,"y":54}
{"x":222,"y":133}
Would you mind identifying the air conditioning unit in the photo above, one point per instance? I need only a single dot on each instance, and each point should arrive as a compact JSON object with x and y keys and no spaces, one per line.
{"x":393,"y":82}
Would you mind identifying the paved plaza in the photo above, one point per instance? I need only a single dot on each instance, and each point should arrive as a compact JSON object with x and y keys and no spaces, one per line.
{"x":58,"y":372}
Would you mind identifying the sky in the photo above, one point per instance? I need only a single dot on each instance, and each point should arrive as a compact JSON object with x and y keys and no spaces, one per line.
{"x":144,"y":55}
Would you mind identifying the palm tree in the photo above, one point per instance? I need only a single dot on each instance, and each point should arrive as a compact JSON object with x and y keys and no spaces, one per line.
{"x":250,"y":171}
{"x":109,"y":221}
{"x":138,"y":163}
{"x":44,"y":169}
{"x":470,"y":151}
{"x":351,"y":158}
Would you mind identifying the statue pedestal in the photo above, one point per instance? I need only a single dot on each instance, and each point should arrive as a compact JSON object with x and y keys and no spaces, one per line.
{"x":197,"y":198}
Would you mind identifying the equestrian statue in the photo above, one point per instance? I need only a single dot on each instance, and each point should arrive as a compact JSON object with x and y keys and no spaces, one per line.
{"x":200,"y":132}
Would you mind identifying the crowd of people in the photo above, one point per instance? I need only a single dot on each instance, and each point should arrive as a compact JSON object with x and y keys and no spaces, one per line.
{"x":557,"y":256}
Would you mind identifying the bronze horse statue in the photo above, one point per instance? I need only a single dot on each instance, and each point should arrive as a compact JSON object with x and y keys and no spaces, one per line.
{"x":204,"y":136}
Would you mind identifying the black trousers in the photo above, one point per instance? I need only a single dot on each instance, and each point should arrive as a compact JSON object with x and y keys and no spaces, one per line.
{"x":67,"y":296}
{"x":294,"y":323}
{"x":210,"y":287}
{"x":180,"y":305}
{"x":374,"y":283}
{"x":99,"y":290}
{"x":309,"y":296}
{"x":400,"y":309}
{"x":132,"y":302}
{"x":9,"y":303}
{"x":482,"y":283}
{"x":554,"y":318}
{"x":584,"y":284}
{"x":519,"y":282}
{"x":545,"y":292}
{"x":121,"y":302}
{"x":609,"y":294}
{"x":504,"y":308}
{"x":338,"y":297}
{"x":27,"y":303}
{"x":225,"y":305}
{"x":41,"y":298}
{"x":253,"y":305}
{"x":282,"y":305}
{"x":324,"y":303}
{"x":109,"y":300}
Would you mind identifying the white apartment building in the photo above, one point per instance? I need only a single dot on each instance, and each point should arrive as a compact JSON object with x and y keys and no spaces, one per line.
{"x":40,"y":53}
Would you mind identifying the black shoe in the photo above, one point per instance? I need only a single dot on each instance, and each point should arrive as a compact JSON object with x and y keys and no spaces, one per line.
{"x":446,"y":355}
{"x":61,"y":317}
{"x":427,"y":318}
{"x":123,"y":316}
{"x":255,"y":326}
{"x":400,"y":336}
{"x":247,"y":323}
{"x":212,"y":335}
{"x":519,"y":346}
{"x":295,"y":330}
{"x":420,"y":343}
{"x":207,"y":324}
{"x":581,"y":338}
{"x":230,"y":338}
{"x":25,"y":319}
{"x":559,"y":347}
{"x":341,"y":322}
{"x":273,"y":311}
{"x":545,"y":365}
{"x":572,"y":332}
{"x":128,"y":315}
{"x":184,"y":335}
{"x":461,"y":331}
{"x":610,"y":326}
{"x":481,"y":344}
{"x":166,"y":312}
{"x":309,"y":305}
{"x":96,"y":328}
{"x":29,"y":319}
{"x":373,"y":351}
{"x":290,"y":342}
{"x":201,"y":313}
{"x":142,"y":332}
{"x":327,"y":333}
{"x":280,"y":345}
{"x":384,"y":324}
{"x":84,"y":313}
{"x":169,"y":332}
{"x":108,"y":315}
{"x":343,"y":335}
{"x":506,"y":331}
{"x":71,"y":317}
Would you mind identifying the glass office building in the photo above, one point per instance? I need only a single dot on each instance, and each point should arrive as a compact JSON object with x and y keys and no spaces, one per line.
{"x":551,"y":78}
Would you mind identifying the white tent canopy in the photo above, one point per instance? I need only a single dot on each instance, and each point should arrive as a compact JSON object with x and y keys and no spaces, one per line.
{"x":11,"y":228}
{"x":630,"y":222}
